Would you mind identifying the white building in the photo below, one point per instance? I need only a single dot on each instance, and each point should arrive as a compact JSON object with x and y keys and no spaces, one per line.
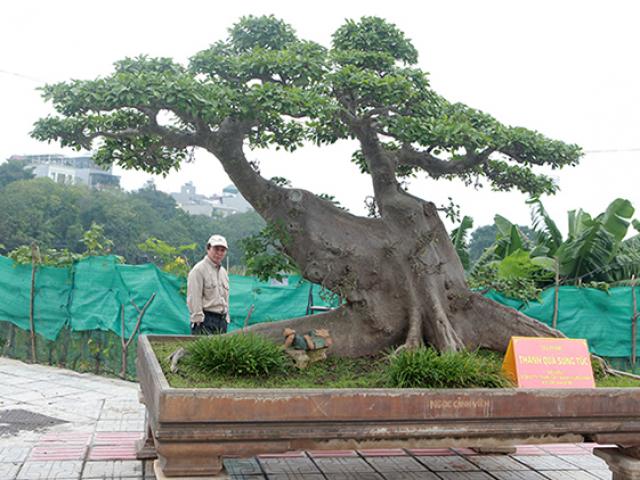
{"x":228,"y":203}
{"x":69,"y":170}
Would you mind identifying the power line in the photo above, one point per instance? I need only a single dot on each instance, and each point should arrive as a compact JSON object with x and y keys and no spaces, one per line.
{"x":20,"y":75}
{"x":614,"y":150}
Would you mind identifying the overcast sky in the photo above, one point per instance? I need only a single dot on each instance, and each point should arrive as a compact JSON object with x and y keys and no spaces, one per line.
{"x":568,"y":69}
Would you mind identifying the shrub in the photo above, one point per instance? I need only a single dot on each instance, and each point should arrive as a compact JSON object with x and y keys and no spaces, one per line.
{"x":426,"y":368}
{"x":236,"y":355}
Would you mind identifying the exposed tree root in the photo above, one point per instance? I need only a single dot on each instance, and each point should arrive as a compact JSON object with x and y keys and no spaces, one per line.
{"x":493,"y":324}
{"x":482,"y":324}
{"x":352,"y":334}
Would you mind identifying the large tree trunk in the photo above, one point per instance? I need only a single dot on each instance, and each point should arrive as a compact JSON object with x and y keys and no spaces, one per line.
{"x":401,"y":286}
{"x":401,"y":279}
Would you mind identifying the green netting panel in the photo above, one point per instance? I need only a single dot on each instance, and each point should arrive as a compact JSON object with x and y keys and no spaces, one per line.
{"x":98,"y":292}
{"x":51,"y":306}
{"x":271,"y":302}
{"x":604,"y":319}
{"x":241,"y":299}
{"x":15,"y":291}
{"x":52,"y":287}
{"x":167,"y":313}
{"x":102,"y":286}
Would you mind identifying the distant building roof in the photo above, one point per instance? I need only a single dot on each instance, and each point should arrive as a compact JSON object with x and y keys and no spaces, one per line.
{"x":230,"y":202}
{"x":70,"y":170}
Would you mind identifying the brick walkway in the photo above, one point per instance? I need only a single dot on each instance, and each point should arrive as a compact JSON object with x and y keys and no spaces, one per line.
{"x":58,"y":424}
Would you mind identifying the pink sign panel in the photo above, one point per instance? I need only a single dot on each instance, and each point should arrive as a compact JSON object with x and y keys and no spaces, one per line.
{"x":549,"y":363}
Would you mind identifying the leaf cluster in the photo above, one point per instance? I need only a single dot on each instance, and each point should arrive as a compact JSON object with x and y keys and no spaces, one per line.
{"x":169,"y":258}
{"x":48,"y":256}
{"x":459,"y":237}
{"x":265,"y":253}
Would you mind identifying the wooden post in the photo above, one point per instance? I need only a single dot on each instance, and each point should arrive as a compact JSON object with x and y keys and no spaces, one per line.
{"x":634,"y":323}
{"x":125,"y":343}
{"x":246,"y":320}
{"x":35,"y":261}
{"x":554,"y":322}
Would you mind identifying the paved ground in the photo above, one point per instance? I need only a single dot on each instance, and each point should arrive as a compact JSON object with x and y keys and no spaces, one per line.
{"x":58,"y":424}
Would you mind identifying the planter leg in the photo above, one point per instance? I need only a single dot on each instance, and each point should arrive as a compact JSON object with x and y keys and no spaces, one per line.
{"x":624,"y":463}
{"x":160,"y":474}
{"x":145,"y":448}
{"x":187,"y":460}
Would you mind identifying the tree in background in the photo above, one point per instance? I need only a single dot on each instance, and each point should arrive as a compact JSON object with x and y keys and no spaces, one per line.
{"x":264,"y":87}
{"x":14,"y":170}
{"x":171,"y":259}
{"x":56,"y":217}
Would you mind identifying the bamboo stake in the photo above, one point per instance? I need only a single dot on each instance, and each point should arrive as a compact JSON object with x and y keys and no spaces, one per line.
{"x":634,"y":323}
{"x":125,"y":343}
{"x":554,"y":322}
{"x":35,"y":261}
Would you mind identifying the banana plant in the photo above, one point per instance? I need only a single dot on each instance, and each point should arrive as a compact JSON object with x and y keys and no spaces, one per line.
{"x":626,"y":264}
{"x":548,"y":236}
{"x":591,"y":249}
{"x":459,"y":237}
{"x":509,"y":239}
{"x":595,"y":250}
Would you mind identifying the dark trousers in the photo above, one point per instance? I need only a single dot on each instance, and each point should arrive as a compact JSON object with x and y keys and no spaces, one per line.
{"x":213,"y":324}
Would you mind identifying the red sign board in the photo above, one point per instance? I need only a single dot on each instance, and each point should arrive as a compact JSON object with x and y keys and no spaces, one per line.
{"x":533,"y":362}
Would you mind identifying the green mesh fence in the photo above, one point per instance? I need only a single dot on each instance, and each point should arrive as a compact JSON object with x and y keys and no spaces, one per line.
{"x":93,"y":351}
{"x":604,"y":319}
{"x":78,"y":311}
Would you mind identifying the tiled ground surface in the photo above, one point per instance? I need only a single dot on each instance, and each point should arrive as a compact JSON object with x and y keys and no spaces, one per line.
{"x":547,"y":462}
{"x":57,"y":424}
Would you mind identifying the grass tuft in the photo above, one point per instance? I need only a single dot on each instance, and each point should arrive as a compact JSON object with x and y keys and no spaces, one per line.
{"x":426,"y":368}
{"x":236,"y":356}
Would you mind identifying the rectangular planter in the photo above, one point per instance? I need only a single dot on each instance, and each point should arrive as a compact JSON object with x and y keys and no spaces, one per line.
{"x":192,"y":429}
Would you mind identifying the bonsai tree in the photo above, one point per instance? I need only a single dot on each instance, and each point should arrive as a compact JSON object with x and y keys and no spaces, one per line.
{"x":263,"y":87}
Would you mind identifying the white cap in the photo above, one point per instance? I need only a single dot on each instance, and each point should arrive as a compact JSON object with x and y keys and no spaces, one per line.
{"x":217,"y":241}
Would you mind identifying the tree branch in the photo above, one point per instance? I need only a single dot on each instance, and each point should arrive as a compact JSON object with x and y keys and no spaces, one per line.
{"x":226,"y":144}
{"x":437,"y":167}
{"x":381,"y":164}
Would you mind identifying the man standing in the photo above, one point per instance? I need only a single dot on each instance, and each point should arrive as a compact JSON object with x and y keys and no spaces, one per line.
{"x":208,"y":290}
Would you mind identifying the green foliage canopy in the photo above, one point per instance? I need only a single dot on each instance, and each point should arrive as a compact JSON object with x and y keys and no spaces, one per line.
{"x":283,"y":91}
